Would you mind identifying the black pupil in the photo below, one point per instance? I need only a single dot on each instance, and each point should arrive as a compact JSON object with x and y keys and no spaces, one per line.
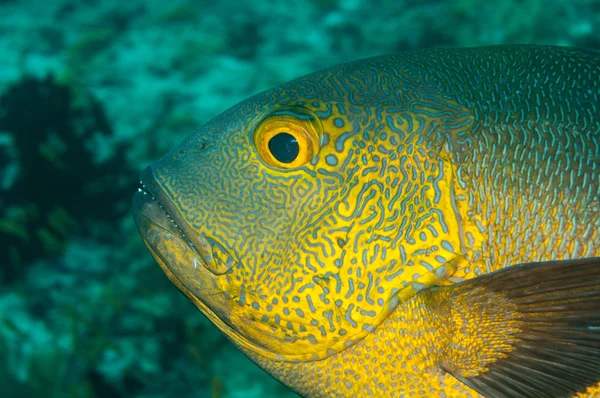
{"x":284,"y":147}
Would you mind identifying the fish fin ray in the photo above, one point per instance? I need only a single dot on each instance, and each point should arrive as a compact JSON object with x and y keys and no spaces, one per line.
{"x":552,"y":347}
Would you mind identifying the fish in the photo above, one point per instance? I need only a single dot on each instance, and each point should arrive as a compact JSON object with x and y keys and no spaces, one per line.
{"x":424,"y":223}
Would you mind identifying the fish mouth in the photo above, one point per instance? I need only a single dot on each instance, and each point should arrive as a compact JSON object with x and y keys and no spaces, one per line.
{"x":182,"y":256}
{"x":151,"y":201}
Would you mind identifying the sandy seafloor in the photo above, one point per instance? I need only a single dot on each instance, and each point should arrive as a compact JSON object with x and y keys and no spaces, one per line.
{"x":100,"y":319}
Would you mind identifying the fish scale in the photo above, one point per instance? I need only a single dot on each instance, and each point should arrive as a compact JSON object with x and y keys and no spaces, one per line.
{"x":443,"y":186}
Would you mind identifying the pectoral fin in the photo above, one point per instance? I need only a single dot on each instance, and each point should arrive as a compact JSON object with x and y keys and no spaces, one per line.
{"x":531,"y":330}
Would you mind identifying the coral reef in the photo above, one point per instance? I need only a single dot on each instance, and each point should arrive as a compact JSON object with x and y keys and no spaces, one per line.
{"x":61,"y":180}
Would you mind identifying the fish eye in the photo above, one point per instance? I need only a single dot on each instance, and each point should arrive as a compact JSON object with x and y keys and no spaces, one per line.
{"x":284,"y":147}
{"x":288,"y":138}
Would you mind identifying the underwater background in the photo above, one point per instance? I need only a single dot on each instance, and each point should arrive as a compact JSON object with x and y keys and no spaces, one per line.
{"x":91,"y":91}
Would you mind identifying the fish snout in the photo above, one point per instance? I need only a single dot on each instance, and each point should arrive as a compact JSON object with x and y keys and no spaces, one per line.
{"x":152,"y":202}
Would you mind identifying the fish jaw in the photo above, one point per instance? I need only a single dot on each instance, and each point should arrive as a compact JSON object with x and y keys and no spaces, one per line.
{"x":184,"y":265}
{"x":214,"y":294}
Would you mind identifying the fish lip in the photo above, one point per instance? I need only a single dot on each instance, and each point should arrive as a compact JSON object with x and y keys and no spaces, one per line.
{"x":200,"y":246}
{"x":179,"y":261}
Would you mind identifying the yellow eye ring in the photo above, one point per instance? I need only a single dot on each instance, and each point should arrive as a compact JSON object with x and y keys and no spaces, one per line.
{"x":289,"y":137}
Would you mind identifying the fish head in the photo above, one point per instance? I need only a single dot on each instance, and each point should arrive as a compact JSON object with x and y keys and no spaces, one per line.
{"x":294,"y":221}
